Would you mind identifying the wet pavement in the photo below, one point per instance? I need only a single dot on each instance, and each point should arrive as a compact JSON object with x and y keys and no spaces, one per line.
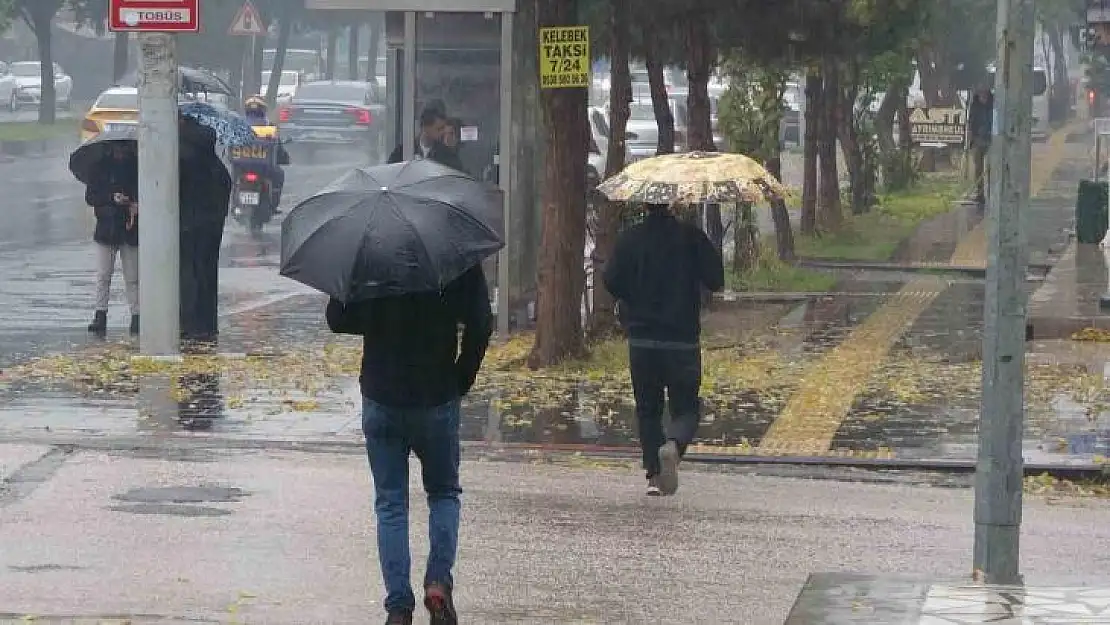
{"x":47,"y":258}
{"x":839,"y":598}
{"x":180,"y":534}
{"x":887,"y":368}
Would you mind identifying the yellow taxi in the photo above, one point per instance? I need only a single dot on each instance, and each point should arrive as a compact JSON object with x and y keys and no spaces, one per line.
{"x":116,"y":106}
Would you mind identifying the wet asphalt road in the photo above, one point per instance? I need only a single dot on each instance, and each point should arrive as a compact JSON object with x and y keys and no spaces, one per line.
{"x":46,"y":255}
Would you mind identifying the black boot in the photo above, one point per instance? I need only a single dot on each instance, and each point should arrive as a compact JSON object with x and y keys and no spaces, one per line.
{"x":99,"y":325}
{"x":134,"y":325}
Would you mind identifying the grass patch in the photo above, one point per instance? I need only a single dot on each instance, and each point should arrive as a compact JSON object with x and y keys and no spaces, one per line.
{"x":34,"y":131}
{"x":773,"y":275}
{"x":874,"y":236}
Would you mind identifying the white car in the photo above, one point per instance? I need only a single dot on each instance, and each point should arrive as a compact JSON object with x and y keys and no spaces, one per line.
{"x":29,"y":82}
{"x":8,"y":88}
{"x":287,"y":86}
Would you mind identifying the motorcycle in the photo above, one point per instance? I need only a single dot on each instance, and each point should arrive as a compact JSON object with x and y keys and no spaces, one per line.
{"x":255,"y":197}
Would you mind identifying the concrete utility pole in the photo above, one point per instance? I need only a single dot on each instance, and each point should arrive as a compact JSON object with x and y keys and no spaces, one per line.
{"x":998,"y":471}
{"x":159,"y":245}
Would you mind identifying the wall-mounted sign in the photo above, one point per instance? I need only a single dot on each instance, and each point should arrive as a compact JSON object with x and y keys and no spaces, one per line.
{"x":565,"y":57}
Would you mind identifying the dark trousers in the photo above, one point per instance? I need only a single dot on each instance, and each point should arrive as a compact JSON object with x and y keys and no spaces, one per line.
{"x":200,"y":270}
{"x":677,"y":372}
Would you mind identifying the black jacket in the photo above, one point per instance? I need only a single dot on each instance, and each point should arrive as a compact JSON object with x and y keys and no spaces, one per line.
{"x":439,"y":153}
{"x":205,"y":184}
{"x":980,"y":118}
{"x":657,"y":273}
{"x":111,"y":218}
{"x":411,"y":353}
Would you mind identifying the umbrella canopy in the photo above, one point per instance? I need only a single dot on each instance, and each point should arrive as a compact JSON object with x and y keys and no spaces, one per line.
{"x":693,"y":178}
{"x":231,"y":128}
{"x":197,"y":142}
{"x":190,"y":80}
{"x":87,"y":158}
{"x":388,"y":230}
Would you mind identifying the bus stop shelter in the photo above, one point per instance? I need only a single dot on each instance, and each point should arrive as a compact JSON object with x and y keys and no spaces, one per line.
{"x":460,"y":55}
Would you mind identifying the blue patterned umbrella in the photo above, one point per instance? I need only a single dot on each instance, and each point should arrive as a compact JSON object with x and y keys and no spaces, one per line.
{"x":231,"y":129}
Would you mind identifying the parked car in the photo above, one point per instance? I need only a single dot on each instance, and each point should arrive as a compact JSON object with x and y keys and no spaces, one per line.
{"x":28,"y":79}
{"x":334,"y":113}
{"x":287,"y":85}
{"x":117,"y":106}
{"x":8,"y":88}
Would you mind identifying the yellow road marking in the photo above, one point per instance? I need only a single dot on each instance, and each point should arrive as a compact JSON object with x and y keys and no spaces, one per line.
{"x":826,"y":393}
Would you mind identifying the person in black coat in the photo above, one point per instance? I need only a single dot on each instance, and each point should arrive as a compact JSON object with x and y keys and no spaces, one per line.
{"x":429,"y":143}
{"x":205,"y":192}
{"x":980,"y":127}
{"x":658,"y":270}
{"x":113,"y":192}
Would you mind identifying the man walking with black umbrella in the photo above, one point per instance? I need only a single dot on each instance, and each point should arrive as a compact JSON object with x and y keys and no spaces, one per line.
{"x":414,"y":374}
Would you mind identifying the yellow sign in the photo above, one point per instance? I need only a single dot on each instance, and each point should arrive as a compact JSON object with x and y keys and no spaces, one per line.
{"x":565,"y":57}
{"x":254,"y":151}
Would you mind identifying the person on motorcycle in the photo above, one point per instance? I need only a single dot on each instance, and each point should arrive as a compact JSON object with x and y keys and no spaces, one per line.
{"x":255,"y":110}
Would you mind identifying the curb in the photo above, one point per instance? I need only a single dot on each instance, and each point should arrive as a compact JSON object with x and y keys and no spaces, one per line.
{"x":9,"y":150}
{"x":477,"y":450}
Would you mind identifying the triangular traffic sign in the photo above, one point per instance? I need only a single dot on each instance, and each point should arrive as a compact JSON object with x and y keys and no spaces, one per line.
{"x":247,"y":22}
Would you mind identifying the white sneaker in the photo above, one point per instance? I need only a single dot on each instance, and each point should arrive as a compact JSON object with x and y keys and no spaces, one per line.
{"x":668,"y":468}
{"x":653,"y":487}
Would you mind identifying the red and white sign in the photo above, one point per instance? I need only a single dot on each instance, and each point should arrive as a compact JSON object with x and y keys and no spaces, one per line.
{"x":174,"y":16}
{"x":247,"y":22}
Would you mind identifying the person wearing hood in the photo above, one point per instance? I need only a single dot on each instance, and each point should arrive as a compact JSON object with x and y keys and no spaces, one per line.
{"x":113,"y":193}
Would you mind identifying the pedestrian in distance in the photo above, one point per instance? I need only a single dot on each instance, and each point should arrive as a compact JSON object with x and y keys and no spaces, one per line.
{"x":429,"y":141}
{"x":980,"y":127}
{"x":415,"y":371}
{"x":113,"y":193}
{"x":658,"y":270}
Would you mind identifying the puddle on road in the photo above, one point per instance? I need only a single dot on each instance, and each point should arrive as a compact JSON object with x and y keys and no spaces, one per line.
{"x":183,"y":494}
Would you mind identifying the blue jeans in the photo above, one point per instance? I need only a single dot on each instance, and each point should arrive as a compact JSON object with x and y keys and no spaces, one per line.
{"x":433,"y":435}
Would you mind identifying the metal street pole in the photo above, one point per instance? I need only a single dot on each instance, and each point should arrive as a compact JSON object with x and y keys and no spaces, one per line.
{"x":998,"y":470}
{"x":159,"y":245}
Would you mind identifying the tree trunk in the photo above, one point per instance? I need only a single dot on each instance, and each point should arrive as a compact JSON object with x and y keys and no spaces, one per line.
{"x":561,"y":278}
{"x":699,"y":62}
{"x":119,"y":55}
{"x":851,"y":144}
{"x":809,"y":152}
{"x":660,"y":103}
{"x":48,"y":102}
{"x":352,"y":51}
{"x":745,"y":234}
{"x":884,"y":132}
{"x":603,"y":317}
{"x":829,"y":210}
{"x":1060,"y":97}
{"x":285,"y":28}
{"x":905,"y":138}
{"x":773,"y":85}
{"x":372,"y":49}
{"x":333,"y":53}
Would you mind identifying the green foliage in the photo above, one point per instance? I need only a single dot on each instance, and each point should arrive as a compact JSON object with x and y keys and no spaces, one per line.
{"x":773,"y":275}
{"x":874,"y":236}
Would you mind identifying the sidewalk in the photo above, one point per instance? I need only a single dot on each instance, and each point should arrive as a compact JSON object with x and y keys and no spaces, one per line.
{"x":221,"y":536}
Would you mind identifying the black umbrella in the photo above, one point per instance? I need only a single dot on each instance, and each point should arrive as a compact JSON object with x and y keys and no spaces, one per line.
{"x":391,"y":229}
{"x":198,"y":147}
{"x":86,"y":159}
{"x":190,"y":80}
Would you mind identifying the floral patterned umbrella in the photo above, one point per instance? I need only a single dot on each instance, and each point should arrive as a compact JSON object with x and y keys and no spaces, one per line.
{"x":693,"y":178}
